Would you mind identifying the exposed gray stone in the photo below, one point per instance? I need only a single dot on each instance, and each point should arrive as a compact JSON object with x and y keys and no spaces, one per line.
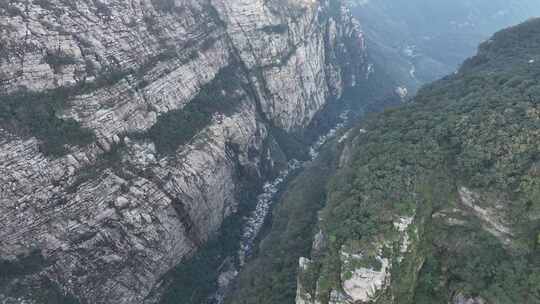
{"x":108,"y":233}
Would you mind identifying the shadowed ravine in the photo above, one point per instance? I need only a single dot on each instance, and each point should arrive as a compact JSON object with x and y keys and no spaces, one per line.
{"x":256,"y":220}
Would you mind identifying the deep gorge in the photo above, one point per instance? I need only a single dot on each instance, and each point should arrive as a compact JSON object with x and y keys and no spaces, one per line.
{"x":246,"y":151}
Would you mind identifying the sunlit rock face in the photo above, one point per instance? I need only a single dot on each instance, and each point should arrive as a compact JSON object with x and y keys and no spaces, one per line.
{"x":362,"y":283}
{"x":365,"y":274}
{"x":106,"y":230}
{"x":461,"y":299}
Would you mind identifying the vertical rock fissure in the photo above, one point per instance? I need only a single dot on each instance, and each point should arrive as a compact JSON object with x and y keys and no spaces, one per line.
{"x":191,"y":230}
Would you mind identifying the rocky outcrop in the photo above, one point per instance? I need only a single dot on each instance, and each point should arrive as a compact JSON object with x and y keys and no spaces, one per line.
{"x":106,"y":220}
{"x":365,"y":271}
{"x":461,"y":299}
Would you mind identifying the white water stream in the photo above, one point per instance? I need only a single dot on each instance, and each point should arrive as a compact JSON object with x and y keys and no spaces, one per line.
{"x":255,"y":221}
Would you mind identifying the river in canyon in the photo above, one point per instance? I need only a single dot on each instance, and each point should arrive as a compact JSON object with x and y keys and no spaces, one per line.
{"x":255,"y":221}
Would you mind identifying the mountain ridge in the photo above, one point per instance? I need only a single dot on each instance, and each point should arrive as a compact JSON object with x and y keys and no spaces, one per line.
{"x":437,"y":201}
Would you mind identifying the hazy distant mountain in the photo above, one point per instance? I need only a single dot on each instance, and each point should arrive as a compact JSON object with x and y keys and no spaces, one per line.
{"x":418,"y":41}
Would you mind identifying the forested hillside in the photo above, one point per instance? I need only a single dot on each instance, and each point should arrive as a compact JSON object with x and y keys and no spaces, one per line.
{"x":439,"y":201}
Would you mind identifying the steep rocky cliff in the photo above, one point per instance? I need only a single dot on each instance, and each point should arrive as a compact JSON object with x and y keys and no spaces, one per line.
{"x":131,"y":129}
{"x":438,"y":201}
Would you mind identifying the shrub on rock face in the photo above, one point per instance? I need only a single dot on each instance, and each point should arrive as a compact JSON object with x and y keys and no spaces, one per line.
{"x":164,"y":5}
{"x":177,"y":127}
{"x":35,"y":114}
{"x":103,"y":9}
{"x":58,"y":58}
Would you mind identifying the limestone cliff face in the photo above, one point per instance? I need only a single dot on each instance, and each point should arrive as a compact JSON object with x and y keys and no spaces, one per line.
{"x":106,"y":220}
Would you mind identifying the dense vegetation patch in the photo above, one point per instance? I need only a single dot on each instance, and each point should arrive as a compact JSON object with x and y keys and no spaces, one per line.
{"x":12,"y":280}
{"x":164,"y":5}
{"x":28,"y":113}
{"x":57,"y":58}
{"x":507,"y":49}
{"x":24,"y":265}
{"x":473,"y":262}
{"x":177,"y":127}
{"x":275,"y":29}
{"x":35,"y":114}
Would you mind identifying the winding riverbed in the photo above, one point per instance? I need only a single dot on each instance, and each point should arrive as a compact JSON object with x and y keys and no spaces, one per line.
{"x":255,"y":221}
